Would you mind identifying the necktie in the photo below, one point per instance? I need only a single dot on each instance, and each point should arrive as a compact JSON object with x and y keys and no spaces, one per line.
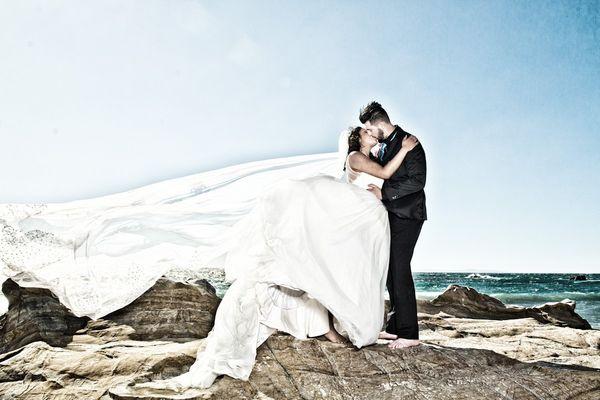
{"x":384,"y":145}
{"x":382,"y":150}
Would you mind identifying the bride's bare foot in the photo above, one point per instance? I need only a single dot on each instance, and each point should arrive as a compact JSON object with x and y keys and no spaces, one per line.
{"x":402,"y":342}
{"x":334,"y":336}
{"x":387,"y":336}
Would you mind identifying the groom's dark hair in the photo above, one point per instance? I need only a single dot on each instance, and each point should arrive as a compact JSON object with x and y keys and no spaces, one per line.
{"x":373,"y":112}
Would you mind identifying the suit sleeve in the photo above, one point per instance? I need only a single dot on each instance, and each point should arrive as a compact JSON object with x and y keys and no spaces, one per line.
{"x":413,"y":182}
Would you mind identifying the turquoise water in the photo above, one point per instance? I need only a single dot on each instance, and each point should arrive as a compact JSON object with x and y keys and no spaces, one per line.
{"x":520,"y":289}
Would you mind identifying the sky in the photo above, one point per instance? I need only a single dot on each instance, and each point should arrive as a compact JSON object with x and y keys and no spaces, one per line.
{"x":102,"y":97}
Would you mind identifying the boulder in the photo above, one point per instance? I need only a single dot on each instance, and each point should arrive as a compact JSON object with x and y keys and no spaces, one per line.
{"x":35,"y":314}
{"x":169,"y":310}
{"x":466,"y":302}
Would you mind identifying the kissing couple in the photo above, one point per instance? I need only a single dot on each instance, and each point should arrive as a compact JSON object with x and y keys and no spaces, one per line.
{"x":315,"y":255}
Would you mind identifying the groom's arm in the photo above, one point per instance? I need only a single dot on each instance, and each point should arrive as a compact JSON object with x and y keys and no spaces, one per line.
{"x":416,"y":167}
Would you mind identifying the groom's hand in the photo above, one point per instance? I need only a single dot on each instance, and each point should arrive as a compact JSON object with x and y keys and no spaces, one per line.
{"x":376,"y":190}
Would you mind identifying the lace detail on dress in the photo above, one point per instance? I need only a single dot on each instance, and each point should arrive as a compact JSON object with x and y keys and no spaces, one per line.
{"x":35,"y":258}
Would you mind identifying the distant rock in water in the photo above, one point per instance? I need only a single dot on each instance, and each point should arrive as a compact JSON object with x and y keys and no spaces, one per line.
{"x":578,"y":277}
{"x":466,"y":302}
{"x":471,"y":344}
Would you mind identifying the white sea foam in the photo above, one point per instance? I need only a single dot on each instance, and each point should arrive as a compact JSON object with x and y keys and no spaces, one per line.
{"x":482,"y":276}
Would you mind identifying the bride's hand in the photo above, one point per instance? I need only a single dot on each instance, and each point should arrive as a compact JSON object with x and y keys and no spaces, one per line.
{"x":410,"y":142}
{"x":376,"y":190}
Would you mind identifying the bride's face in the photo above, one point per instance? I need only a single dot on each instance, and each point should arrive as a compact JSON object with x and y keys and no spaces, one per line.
{"x":366,"y":139}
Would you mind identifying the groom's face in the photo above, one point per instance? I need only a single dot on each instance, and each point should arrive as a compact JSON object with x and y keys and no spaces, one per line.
{"x":374,"y":130}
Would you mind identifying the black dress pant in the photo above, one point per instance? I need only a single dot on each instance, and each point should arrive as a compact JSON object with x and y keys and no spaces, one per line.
{"x":402,"y":319}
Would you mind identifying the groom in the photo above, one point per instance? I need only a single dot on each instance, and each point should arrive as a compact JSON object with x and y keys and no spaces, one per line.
{"x":404,"y":198}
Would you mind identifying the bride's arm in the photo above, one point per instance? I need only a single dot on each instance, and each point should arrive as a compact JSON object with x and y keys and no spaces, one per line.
{"x":361,"y":163}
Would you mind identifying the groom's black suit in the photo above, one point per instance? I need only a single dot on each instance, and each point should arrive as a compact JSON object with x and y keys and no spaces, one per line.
{"x":404,"y":198}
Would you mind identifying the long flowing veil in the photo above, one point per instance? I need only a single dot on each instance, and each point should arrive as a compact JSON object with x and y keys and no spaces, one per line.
{"x":98,"y":255}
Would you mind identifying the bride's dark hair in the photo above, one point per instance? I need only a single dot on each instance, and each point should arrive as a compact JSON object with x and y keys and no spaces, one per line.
{"x":353,"y":140}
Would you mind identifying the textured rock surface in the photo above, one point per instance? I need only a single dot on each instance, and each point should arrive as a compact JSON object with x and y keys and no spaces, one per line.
{"x":169,"y":310}
{"x":524,"y":339}
{"x":461,"y":357}
{"x":288,"y":368}
{"x":35,"y":314}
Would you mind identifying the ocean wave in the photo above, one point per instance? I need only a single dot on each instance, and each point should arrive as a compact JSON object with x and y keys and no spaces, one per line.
{"x":585,"y":281}
{"x":482,"y":276}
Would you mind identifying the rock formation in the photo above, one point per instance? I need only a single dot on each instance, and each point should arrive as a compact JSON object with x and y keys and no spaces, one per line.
{"x":169,"y":310}
{"x":466,"y":302}
{"x":473,"y":347}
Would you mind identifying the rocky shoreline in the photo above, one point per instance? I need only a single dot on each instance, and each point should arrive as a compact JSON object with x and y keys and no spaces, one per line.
{"x":473,"y":347}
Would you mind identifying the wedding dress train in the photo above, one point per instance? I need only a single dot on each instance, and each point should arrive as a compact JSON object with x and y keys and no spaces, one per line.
{"x":295,"y":239}
{"x":98,"y":255}
{"x":310,"y":245}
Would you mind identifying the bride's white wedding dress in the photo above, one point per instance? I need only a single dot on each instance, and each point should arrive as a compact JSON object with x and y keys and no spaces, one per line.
{"x":310,"y":245}
{"x":314,"y":241}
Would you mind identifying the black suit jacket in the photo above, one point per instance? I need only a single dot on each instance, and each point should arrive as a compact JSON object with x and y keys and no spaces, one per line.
{"x":403,"y":193}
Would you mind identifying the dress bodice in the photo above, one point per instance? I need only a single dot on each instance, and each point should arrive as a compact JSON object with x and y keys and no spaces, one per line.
{"x":360,"y":179}
{"x":350,"y":175}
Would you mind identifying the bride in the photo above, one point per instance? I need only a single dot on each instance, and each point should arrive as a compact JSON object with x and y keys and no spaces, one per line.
{"x":310,"y":259}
